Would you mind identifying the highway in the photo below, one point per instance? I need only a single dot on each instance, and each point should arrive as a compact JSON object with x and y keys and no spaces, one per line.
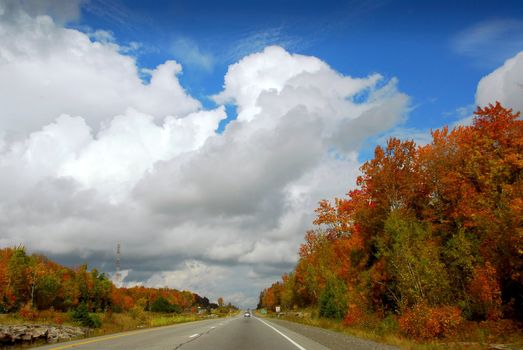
{"x":230,"y":333}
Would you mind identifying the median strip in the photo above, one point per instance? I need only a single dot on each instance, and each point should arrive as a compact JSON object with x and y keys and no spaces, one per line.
{"x":280,"y":333}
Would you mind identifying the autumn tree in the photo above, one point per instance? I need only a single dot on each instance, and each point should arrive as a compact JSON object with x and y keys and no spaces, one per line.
{"x":430,"y":230}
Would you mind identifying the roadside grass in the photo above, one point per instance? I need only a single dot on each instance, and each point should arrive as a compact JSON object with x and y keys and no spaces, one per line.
{"x":473,"y":335}
{"x":168,"y":320}
{"x":111,"y":322}
{"x":43,"y":317}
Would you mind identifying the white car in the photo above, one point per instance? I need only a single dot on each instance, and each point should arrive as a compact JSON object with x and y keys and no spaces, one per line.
{"x":247,"y":314}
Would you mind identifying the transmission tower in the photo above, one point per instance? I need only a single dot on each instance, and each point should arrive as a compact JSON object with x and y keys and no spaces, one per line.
{"x":118,"y":274}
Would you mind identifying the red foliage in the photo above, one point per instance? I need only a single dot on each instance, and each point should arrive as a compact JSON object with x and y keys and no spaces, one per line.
{"x":27,"y":312}
{"x":355,"y":315}
{"x":425,"y":322}
{"x":20,"y":284}
{"x":463,"y":193}
{"x":485,"y":289}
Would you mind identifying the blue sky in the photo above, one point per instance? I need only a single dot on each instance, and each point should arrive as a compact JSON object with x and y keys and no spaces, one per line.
{"x":439,"y":50}
{"x":104,"y":139}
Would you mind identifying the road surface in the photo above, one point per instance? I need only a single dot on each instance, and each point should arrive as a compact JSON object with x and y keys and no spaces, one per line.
{"x":231,"y":333}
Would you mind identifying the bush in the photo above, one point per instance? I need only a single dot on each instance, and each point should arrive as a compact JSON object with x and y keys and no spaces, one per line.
{"x":425,"y":322}
{"x":389,"y":325}
{"x":137,"y":313}
{"x":355,"y":315}
{"x":51,"y":316}
{"x":82,"y":316}
{"x":333,"y":299}
{"x":162,"y":305}
{"x":27,"y":312}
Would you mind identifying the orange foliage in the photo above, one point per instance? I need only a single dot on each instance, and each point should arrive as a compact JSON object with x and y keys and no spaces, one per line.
{"x":425,"y":322}
{"x":454,"y":210}
{"x":27,"y":312}
{"x":355,"y":315}
{"x":485,"y":289}
{"x":40,"y":284}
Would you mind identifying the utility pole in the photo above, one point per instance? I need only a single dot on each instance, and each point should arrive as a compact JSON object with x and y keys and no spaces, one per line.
{"x":118,"y":274}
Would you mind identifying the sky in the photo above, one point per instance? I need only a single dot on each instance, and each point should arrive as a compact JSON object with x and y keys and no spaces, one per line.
{"x":200,"y":135}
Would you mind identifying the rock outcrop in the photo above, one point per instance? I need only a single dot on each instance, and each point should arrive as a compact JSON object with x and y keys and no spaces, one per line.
{"x":21,"y":334}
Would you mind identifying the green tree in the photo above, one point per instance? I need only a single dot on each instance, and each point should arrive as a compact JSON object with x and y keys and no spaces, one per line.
{"x":162,"y":305}
{"x":18,"y":279}
{"x":413,"y":262}
{"x":333,"y":299}
{"x":82,"y":316}
{"x":46,"y":294}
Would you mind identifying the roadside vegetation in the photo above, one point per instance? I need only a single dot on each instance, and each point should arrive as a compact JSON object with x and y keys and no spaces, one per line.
{"x":111,"y":322}
{"x":429,"y":247}
{"x":35,"y":290}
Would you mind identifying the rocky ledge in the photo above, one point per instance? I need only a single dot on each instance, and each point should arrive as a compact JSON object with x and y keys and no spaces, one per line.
{"x":22,"y":334}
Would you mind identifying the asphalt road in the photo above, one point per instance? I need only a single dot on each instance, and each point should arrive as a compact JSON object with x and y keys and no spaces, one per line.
{"x":231,"y":333}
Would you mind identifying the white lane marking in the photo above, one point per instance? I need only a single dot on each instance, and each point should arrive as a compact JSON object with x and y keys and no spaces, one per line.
{"x":194,"y":335}
{"x":283,"y":335}
{"x":213,"y":327}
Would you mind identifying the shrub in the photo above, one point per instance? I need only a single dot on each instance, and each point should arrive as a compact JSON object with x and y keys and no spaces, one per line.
{"x":333,"y":299}
{"x":389,"y":325}
{"x":137,"y":313}
{"x":51,"y":316}
{"x":355,"y":315}
{"x":27,"y":312}
{"x":162,"y":305}
{"x":58,"y":319}
{"x":82,"y":316}
{"x":425,"y":322}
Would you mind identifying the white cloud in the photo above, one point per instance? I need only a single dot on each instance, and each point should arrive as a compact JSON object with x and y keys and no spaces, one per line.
{"x":252,"y":190}
{"x":192,"y":275}
{"x":505,"y":85}
{"x":266,"y":71}
{"x":52,"y":70}
{"x":131,"y":144}
{"x":97,"y":157}
{"x":27,"y":162}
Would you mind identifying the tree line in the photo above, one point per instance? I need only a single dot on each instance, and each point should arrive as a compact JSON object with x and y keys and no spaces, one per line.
{"x":432,"y":235}
{"x":36,"y":283}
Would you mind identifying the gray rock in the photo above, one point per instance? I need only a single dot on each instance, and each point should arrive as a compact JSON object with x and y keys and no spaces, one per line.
{"x":20,"y":334}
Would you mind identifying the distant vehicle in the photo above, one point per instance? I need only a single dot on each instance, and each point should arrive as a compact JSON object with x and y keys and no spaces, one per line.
{"x":247,"y":314}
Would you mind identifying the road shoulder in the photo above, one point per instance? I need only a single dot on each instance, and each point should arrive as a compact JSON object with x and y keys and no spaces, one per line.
{"x":330,"y":339}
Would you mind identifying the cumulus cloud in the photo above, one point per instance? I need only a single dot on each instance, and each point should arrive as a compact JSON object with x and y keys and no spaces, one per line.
{"x":53,"y":70}
{"x":505,"y":85}
{"x":96,"y":157}
{"x":263,"y":72}
{"x":132,"y":143}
